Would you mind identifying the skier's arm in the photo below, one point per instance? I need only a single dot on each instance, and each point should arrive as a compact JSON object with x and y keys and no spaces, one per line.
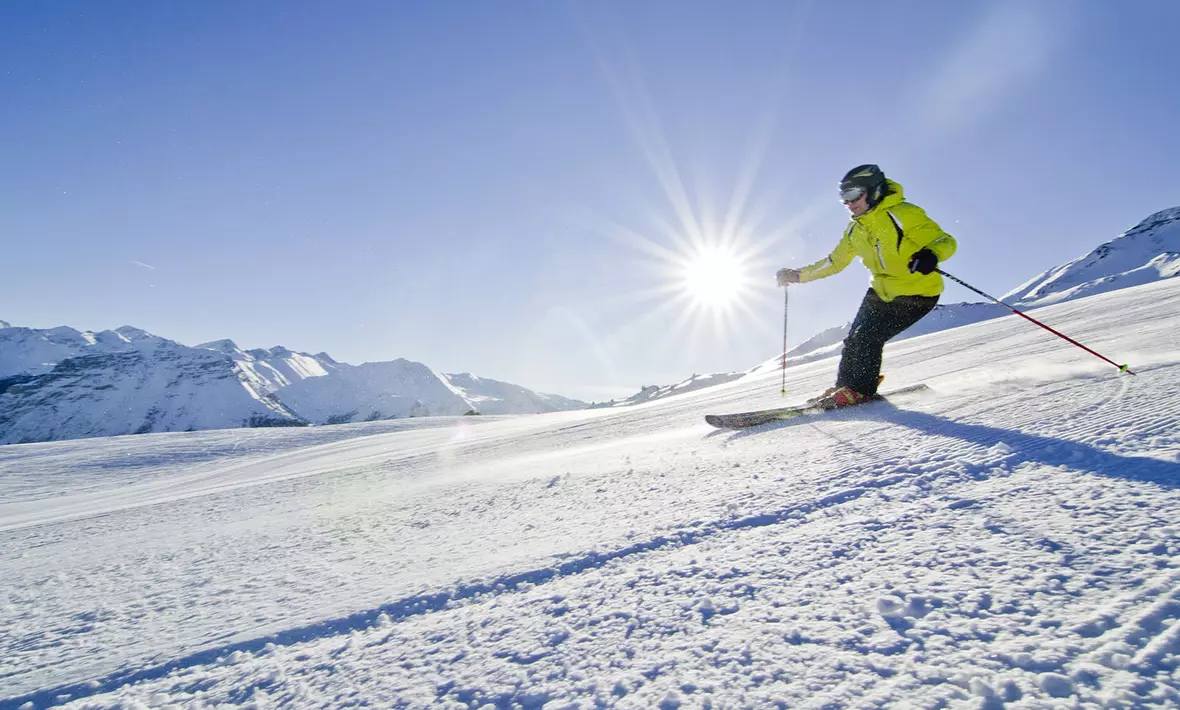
{"x":833,"y":263}
{"x":924,"y":233}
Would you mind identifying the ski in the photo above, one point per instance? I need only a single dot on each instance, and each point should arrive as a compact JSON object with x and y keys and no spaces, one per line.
{"x":744,"y":420}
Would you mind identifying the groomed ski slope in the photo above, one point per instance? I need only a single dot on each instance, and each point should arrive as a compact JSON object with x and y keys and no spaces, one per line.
{"x":1009,"y":540}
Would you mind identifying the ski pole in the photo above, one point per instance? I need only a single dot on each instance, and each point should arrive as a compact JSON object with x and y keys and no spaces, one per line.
{"x":1122,"y":368}
{"x":786,"y":302}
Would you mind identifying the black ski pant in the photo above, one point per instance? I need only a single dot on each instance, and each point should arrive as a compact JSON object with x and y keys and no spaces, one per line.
{"x":876,"y":322}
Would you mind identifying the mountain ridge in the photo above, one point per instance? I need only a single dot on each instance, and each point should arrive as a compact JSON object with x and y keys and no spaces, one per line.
{"x":62,"y":383}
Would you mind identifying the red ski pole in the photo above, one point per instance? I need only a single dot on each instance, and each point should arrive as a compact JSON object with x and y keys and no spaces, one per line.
{"x":1122,"y":368}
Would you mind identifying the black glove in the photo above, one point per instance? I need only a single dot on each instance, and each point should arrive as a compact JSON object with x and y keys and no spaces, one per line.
{"x":787,"y":276}
{"x":923,"y":262}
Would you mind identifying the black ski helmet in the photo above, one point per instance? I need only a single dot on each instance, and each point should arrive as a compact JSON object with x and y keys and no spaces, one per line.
{"x":866,"y":176}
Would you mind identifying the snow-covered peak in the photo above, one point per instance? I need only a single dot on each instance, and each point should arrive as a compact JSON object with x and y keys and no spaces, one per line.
{"x":33,"y":352}
{"x":1158,"y":219}
{"x":649,"y":393}
{"x":110,"y":338}
{"x":297,"y":366}
{"x":270,"y":370}
{"x":62,"y":335}
{"x":493,"y":397}
{"x":5,"y":324}
{"x":374,"y":390}
{"x":225,"y":345}
{"x":1147,"y":252}
{"x":133,"y":334}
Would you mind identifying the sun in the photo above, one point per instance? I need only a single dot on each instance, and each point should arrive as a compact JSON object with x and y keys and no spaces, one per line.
{"x":714,"y":276}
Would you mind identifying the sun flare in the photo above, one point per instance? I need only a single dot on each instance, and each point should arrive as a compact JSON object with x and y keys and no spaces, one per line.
{"x":714,"y":276}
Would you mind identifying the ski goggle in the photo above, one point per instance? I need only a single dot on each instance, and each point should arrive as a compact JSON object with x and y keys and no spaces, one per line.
{"x":852,"y":194}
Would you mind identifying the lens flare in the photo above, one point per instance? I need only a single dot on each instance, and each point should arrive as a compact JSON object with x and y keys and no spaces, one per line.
{"x":715,"y":277}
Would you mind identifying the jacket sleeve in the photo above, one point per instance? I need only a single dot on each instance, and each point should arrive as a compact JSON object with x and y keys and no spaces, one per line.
{"x":924,"y":233}
{"x":833,"y":263}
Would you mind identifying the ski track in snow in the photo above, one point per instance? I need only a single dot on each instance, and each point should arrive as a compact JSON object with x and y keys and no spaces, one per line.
{"x":1009,"y":540}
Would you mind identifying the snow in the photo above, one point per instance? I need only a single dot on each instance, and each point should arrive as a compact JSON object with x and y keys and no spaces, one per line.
{"x":1010,"y":539}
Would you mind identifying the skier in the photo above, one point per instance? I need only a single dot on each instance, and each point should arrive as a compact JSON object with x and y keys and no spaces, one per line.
{"x":901,"y":247}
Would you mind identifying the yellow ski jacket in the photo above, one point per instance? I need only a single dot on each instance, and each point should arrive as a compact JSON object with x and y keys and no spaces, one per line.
{"x":886,"y":238}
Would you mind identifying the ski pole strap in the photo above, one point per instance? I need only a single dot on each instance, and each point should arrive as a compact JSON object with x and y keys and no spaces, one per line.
{"x":964,"y":284}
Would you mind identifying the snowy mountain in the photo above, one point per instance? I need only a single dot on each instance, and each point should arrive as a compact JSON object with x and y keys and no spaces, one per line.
{"x":34,"y":352}
{"x":494,"y":397}
{"x":376,"y":390}
{"x":1147,"y":252}
{"x":1009,"y":540}
{"x":650,"y":393}
{"x":277,"y":367}
{"x":63,"y":383}
{"x":121,"y":382}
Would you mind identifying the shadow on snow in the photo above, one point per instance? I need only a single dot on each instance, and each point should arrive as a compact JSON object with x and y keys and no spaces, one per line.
{"x":1031,"y":448}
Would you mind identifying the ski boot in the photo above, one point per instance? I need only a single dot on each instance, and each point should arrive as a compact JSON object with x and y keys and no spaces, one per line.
{"x":843,"y":397}
{"x":818,"y":401}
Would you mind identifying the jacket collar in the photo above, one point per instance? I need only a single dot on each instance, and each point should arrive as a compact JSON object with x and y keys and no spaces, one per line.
{"x":895,"y":198}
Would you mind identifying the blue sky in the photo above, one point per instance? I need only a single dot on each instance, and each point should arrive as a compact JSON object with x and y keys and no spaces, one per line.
{"x":513,"y":189}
